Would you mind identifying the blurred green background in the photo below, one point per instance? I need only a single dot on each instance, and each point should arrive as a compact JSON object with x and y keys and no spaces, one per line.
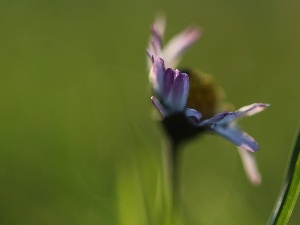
{"x":78,"y":141}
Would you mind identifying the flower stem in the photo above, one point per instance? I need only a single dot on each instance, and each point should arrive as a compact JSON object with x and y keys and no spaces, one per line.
{"x":171,"y":164}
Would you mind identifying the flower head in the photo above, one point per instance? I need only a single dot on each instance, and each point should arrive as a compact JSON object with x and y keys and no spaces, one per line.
{"x":190,"y":101}
{"x":172,"y":87}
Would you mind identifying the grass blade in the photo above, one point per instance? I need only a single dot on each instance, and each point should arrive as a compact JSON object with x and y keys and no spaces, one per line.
{"x":290,"y":190}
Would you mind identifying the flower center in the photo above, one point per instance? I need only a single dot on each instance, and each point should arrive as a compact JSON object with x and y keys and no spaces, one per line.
{"x":204,"y":94}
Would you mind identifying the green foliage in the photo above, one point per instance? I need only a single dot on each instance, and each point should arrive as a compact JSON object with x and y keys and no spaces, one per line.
{"x":290,"y":190}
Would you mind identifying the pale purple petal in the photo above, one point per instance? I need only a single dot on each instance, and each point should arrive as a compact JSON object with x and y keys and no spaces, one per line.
{"x":179,"y":93}
{"x":168,"y":82}
{"x":156,"y":39}
{"x":175,"y":48}
{"x":252,"y":109}
{"x":227,"y":118}
{"x":152,"y":51}
{"x":159,"y":107}
{"x":237,"y":137}
{"x":159,"y":25}
{"x":193,"y":114}
{"x":155,"y":43}
{"x":157,"y":75}
{"x":155,"y":46}
{"x":218,"y":118}
{"x":250,"y":166}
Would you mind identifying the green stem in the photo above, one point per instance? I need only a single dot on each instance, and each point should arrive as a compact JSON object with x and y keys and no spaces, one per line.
{"x":290,"y":190}
{"x":171,"y":163}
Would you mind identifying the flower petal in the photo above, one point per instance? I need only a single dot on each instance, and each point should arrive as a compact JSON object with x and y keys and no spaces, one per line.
{"x":153,"y":50}
{"x":233,"y":134}
{"x":175,"y":48}
{"x":193,"y":114}
{"x":250,"y":166}
{"x":220,"y":118}
{"x":159,"y":107}
{"x":252,"y":109}
{"x":227,"y":118}
{"x":156,"y":75}
{"x":168,"y":81}
{"x":177,"y":72}
{"x":214,"y":119}
{"x":159,"y":25}
{"x":158,"y":29}
{"x":179,"y":93}
{"x":156,"y":40}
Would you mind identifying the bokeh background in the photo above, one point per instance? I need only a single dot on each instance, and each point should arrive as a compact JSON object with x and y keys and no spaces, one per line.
{"x":78,"y":141}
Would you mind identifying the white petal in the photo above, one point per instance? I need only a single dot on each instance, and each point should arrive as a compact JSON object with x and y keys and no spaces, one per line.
{"x":252,"y":109}
{"x":250,"y":166}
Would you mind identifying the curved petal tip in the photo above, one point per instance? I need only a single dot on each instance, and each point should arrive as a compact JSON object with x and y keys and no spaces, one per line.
{"x":252,"y":109}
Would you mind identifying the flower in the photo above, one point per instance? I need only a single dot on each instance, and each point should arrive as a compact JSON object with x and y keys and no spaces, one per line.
{"x":172,"y":87}
{"x":191,"y":104}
